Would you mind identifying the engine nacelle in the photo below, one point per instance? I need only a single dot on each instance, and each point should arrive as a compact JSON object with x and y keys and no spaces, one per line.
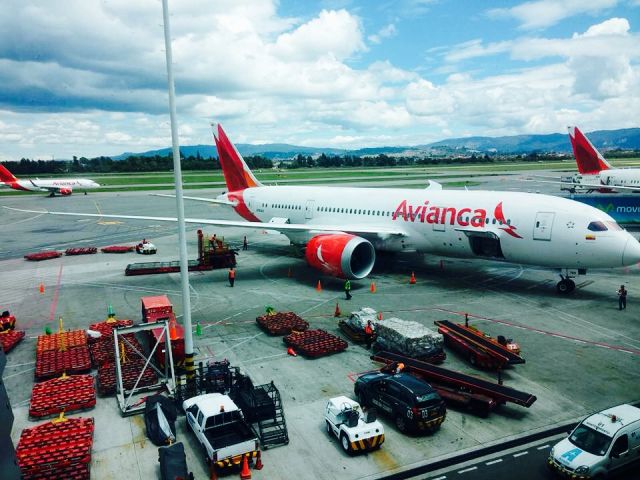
{"x":65,"y":191}
{"x":341,"y":255}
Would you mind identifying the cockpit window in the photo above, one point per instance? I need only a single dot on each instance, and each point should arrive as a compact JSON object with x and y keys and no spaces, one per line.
{"x":597,"y":227}
{"x":613,"y":226}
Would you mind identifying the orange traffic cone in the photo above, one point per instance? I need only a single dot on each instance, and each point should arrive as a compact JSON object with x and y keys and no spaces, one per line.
{"x":41,"y":288}
{"x":379,"y":315}
{"x":258,"y":465}
{"x":337,"y":312}
{"x":245,"y":474}
{"x":319,"y":286}
{"x":292,"y":352}
{"x":412,"y":280}
{"x":373,"y":287}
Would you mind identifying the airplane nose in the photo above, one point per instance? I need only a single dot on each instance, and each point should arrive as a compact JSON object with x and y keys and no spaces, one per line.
{"x":631,"y":253}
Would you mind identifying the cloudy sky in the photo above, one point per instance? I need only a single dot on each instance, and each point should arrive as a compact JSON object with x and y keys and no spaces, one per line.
{"x":87,"y":77}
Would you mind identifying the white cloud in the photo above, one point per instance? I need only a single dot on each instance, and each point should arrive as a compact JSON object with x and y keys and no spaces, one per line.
{"x":387,"y":31}
{"x":544,"y":13}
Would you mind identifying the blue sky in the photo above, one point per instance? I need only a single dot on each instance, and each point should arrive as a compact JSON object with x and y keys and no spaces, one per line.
{"x":87,"y":77}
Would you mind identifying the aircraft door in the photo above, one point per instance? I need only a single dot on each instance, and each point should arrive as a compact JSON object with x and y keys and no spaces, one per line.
{"x":543,"y":225}
{"x":308,"y":209}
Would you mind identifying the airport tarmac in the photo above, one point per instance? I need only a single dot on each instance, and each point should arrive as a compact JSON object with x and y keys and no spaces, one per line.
{"x":581,"y":352}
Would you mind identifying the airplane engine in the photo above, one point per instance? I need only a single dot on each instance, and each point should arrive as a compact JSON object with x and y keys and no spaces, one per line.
{"x":341,"y":255}
{"x":65,"y":191}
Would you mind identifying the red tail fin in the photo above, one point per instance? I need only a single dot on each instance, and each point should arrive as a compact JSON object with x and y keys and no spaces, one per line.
{"x":236,"y":172}
{"x":6,"y":176}
{"x":588,"y":158}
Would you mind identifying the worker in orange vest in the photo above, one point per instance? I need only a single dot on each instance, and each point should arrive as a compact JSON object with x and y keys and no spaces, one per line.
{"x":232,"y":276}
{"x":368,"y":334}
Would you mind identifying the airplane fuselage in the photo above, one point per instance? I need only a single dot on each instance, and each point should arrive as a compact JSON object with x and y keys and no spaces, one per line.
{"x":521,"y":228}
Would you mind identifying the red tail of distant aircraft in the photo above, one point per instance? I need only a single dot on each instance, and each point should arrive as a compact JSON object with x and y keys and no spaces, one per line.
{"x":588,"y":158}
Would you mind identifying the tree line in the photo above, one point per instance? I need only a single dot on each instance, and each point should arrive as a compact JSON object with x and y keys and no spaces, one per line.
{"x":159,"y":163}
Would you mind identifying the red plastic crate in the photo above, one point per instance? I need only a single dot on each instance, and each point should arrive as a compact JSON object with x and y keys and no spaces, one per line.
{"x":315,"y":343}
{"x":102,"y":350}
{"x":107,"y":327}
{"x":56,"y":449}
{"x":55,"y":341}
{"x":10,"y":339}
{"x":74,"y":392}
{"x":117,"y":249}
{"x":81,"y":251}
{"x":53,"y":363}
{"x":130,"y":371}
{"x":282,"y":323}
{"x":46,"y":255}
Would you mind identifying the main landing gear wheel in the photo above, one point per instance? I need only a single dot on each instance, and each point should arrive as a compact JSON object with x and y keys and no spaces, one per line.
{"x":565,"y":286}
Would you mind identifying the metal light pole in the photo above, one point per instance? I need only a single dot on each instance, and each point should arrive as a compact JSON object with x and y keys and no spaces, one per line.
{"x":177,"y":175}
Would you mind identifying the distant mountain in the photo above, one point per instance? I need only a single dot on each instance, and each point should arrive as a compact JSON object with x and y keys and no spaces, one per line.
{"x":628,"y":139}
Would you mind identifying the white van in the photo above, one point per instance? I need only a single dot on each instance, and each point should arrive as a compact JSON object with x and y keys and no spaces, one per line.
{"x":603,"y":443}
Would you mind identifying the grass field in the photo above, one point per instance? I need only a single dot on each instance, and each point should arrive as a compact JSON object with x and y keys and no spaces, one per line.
{"x":198,"y":179}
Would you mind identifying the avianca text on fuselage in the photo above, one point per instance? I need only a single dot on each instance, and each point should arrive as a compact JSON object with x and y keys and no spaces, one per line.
{"x":434,"y":214}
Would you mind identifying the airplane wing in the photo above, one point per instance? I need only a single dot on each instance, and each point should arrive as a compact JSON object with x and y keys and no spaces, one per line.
{"x":281,"y":227}
{"x":433,"y":185}
{"x":197,"y":199}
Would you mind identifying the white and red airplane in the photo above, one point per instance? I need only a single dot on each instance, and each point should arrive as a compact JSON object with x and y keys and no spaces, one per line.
{"x":62,"y":186}
{"x":594,"y":172}
{"x":341,"y":228}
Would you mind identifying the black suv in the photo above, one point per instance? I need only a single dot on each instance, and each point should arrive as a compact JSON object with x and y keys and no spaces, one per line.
{"x":411,"y":402}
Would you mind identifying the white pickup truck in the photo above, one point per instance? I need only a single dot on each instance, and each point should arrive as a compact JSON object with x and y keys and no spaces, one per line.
{"x":221,"y":429}
{"x":356,"y":430}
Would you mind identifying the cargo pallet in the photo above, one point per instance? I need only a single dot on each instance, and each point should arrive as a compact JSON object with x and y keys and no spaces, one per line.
{"x":117,"y":249}
{"x":57,"y":449}
{"x":459,"y":388}
{"x":67,"y":393}
{"x":46,"y":255}
{"x":315,"y":343}
{"x":282,"y":323}
{"x":130,"y":372}
{"x":478,"y":349}
{"x":10,"y":338}
{"x":62,"y":352}
{"x":81,"y":251}
{"x":106,"y":328}
{"x":102,"y":351}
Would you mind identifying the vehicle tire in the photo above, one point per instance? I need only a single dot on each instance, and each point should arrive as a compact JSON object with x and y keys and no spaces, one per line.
{"x":564,"y":287}
{"x":401,"y":423}
{"x":346,"y":445}
{"x":572,"y":285}
{"x":329,"y":428}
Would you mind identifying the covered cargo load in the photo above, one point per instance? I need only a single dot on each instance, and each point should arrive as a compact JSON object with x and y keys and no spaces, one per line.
{"x":358,"y":320}
{"x":408,"y":338}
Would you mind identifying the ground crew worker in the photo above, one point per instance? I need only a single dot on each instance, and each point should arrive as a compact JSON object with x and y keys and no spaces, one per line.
{"x":400,"y":367}
{"x":622,"y":298}
{"x":347,"y":289}
{"x":232,"y":276}
{"x":368,"y":334}
{"x":245,"y":245}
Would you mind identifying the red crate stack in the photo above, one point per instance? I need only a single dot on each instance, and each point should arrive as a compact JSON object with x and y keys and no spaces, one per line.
{"x":81,"y":251}
{"x":60,"y":353}
{"x":117,"y":249}
{"x":130,"y":371}
{"x":102,"y":350}
{"x":282,"y":323}
{"x":46,"y":255}
{"x":10,"y":339}
{"x":315,"y":343}
{"x":67,"y":393}
{"x":57,"y":449}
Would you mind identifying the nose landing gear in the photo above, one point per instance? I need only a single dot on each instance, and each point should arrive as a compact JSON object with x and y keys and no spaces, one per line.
{"x":566,"y":285}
